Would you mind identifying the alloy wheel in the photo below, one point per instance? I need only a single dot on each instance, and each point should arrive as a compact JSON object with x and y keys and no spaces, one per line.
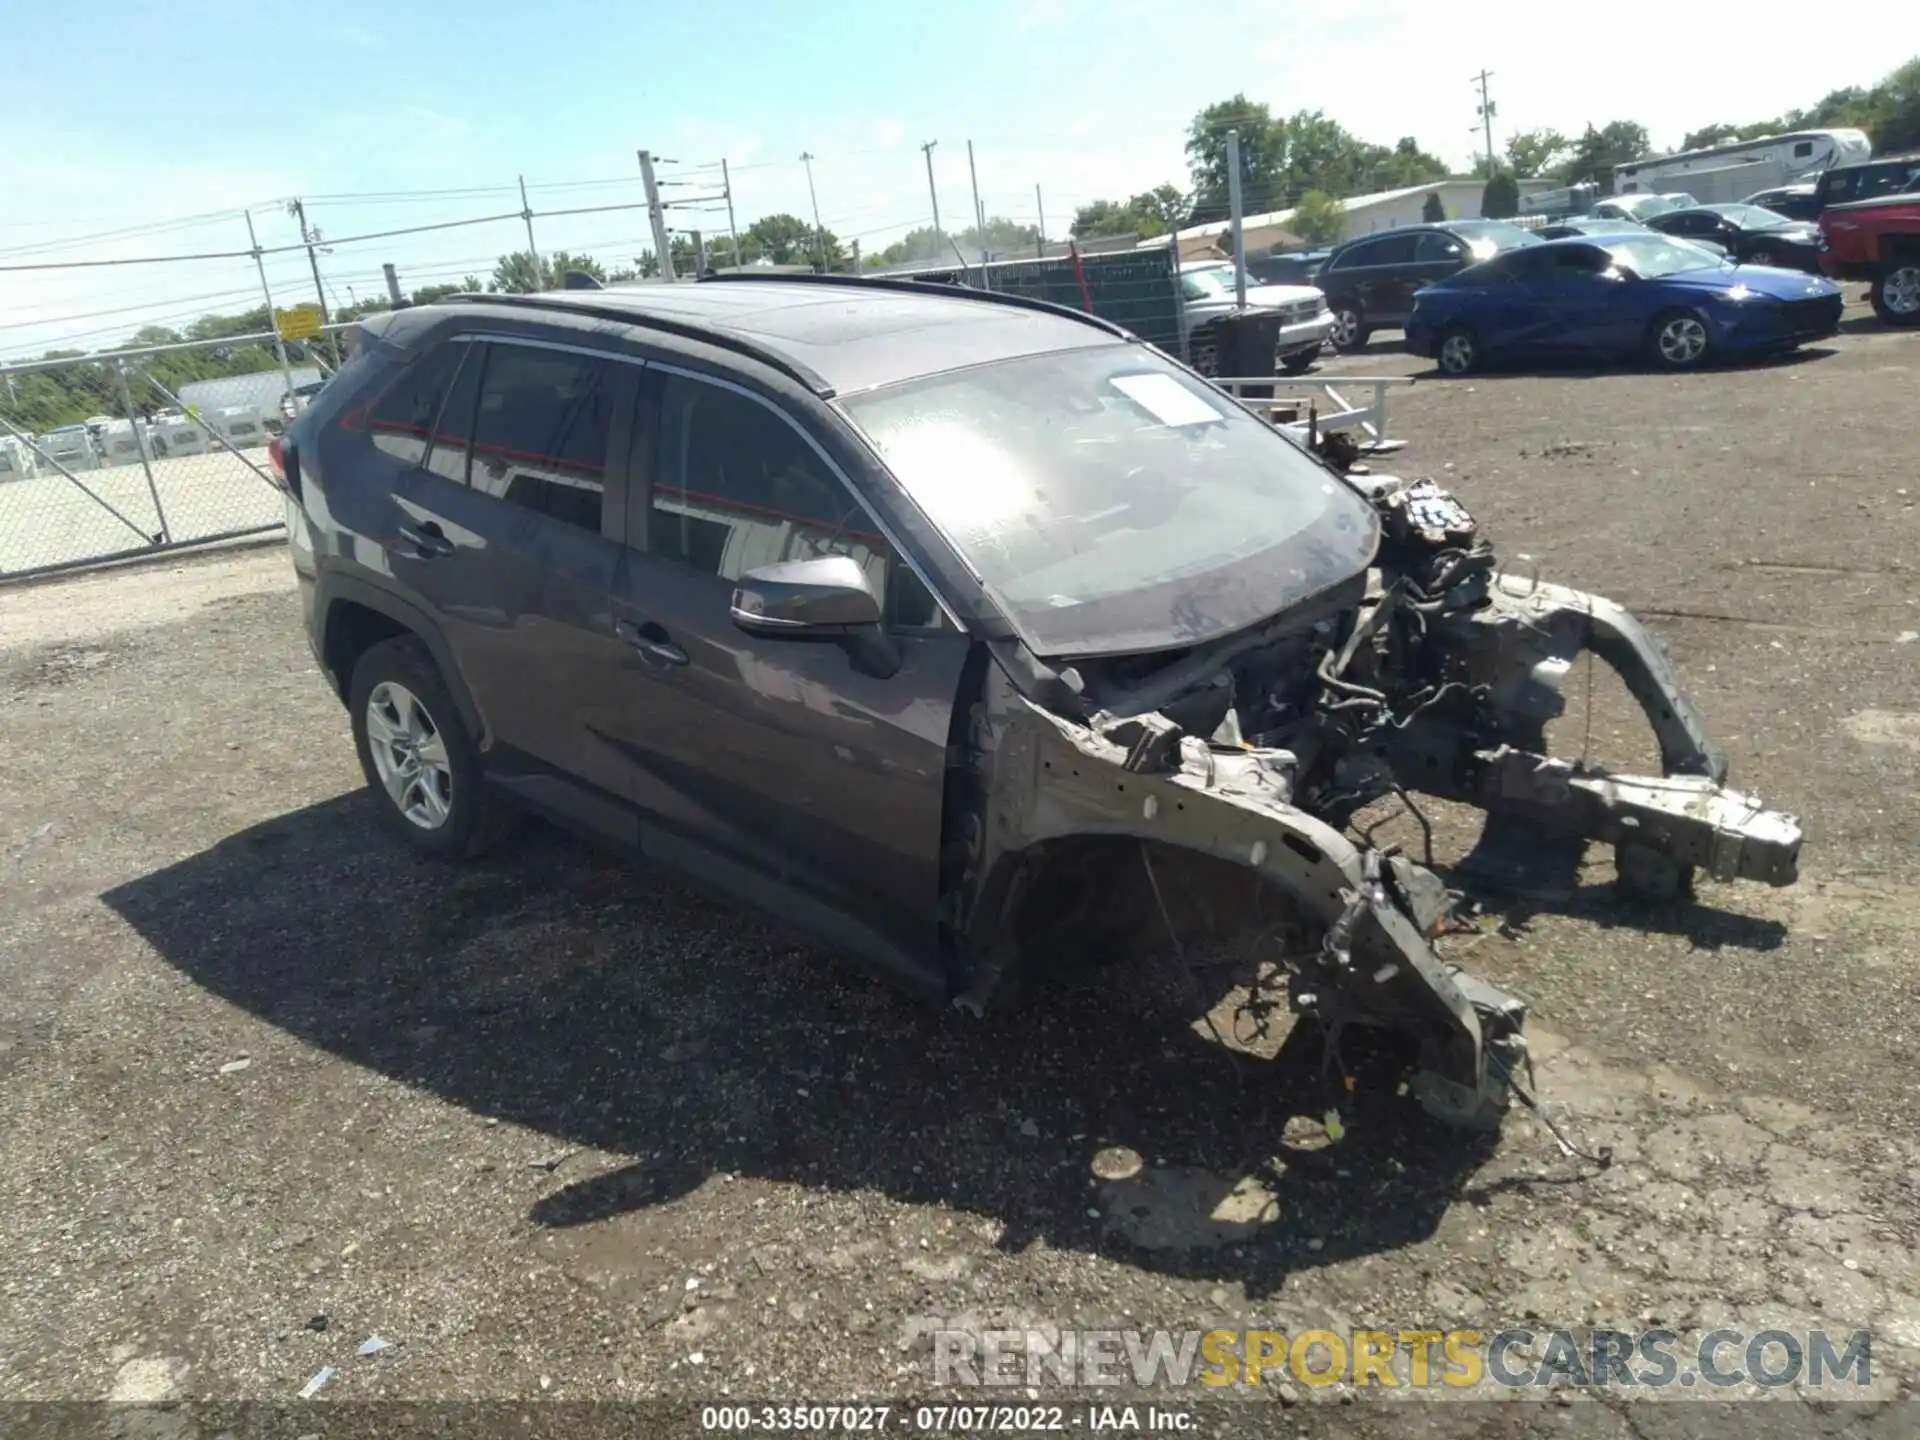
{"x":409,"y":755}
{"x":1456,"y":353}
{"x":1683,"y":340}
{"x":1346,"y":326}
{"x":1900,"y":291}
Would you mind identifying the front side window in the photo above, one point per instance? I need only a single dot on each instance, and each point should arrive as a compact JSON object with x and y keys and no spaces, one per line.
{"x":1110,"y":501}
{"x":736,"y":487}
{"x":540,"y":431}
{"x":1439,"y":247}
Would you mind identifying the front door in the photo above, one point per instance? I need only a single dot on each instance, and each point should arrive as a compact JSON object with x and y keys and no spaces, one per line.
{"x":778,"y":763}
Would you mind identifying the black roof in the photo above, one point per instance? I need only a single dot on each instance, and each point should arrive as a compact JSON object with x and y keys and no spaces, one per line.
{"x":837,"y":334}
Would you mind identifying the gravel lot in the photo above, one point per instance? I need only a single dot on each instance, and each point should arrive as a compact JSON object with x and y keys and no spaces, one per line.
{"x":559,"y":1128}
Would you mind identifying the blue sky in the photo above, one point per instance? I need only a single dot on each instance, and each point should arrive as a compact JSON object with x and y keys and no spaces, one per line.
{"x":122,"y":114}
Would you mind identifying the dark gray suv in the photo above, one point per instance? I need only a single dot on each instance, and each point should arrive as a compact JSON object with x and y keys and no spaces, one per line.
{"x":972,"y":634}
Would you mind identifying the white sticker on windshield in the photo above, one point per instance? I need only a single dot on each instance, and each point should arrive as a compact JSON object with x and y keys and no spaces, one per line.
{"x":1166,"y":399}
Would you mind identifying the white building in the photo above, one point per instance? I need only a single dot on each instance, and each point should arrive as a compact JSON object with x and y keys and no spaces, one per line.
{"x":1385,"y":210}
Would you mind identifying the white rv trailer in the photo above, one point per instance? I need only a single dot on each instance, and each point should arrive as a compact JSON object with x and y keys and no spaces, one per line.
{"x":1802,"y":153}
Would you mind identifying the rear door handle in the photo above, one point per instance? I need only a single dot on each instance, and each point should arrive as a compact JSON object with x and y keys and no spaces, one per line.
{"x":652,"y":642}
{"x":427,"y":539}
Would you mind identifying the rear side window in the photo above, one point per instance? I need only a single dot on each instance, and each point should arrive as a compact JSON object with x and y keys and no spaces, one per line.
{"x":1354,"y":258}
{"x":401,"y":420}
{"x":540,"y":432}
{"x":1393,"y":250}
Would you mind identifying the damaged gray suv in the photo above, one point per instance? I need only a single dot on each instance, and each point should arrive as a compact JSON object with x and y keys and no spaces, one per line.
{"x":971,"y":634}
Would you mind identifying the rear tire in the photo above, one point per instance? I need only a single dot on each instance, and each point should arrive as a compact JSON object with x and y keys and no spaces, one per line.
{"x":1458,"y":352}
{"x":1350,"y":330}
{"x":1896,"y":294}
{"x":1679,"y":340}
{"x":416,"y":752}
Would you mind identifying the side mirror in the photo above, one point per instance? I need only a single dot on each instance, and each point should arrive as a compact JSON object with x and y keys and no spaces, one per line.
{"x":823,"y":599}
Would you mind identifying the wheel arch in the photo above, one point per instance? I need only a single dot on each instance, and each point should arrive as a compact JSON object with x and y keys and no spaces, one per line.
{"x":354,"y":616}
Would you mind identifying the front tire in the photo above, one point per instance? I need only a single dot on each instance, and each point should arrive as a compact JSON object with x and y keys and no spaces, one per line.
{"x":1350,"y":331}
{"x":1896,"y":294}
{"x":1458,"y":352}
{"x":415,"y":751}
{"x":1297,"y":363}
{"x":1679,"y":340}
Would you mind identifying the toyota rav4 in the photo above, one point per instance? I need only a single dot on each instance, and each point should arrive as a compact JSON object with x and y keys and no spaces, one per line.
{"x":972,"y":634}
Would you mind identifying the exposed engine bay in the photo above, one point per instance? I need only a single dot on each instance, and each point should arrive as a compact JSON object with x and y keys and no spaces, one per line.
{"x":1433,"y":672}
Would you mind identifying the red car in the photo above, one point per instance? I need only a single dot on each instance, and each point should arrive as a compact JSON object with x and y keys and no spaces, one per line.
{"x":1877,"y":240}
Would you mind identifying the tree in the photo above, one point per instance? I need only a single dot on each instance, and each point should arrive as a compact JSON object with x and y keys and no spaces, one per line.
{"x":1319,"y":219}
{"x":560,"y":263}
{"x":1152,"y":212}
{"x":1596,"y":152}
{"x":517,"y":274}
{"x":1433,"y":212}
{"x":1263,"y":158}
{"x":1500,"y":200}
{"x":1536,"y":152}
{"x":1710,"y":135}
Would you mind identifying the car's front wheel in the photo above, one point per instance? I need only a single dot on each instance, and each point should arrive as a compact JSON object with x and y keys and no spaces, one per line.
{"x":1896,"y":294}
{"x":415,"y":750}
{"x":1679,"y":340}
{"x":1458,"y":352}
{"x":1349,"y":327}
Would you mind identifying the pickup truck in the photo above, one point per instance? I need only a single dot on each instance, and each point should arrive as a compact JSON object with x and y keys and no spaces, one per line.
{"x":1877,"y":240}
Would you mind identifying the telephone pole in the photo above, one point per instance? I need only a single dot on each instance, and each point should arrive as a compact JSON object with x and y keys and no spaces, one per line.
{"x":933,"y":194}
{"x":726,"y":185}
{"x":657,"y":216}
{"x":819,"y":245}
{"x":1486,"y":116}
{"x":979,"y":214}
{"x":310,"y":238}
{"x":1040,"y":240}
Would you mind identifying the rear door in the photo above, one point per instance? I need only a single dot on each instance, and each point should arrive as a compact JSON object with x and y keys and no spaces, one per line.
{"x":507,"y":531}
{"x":1392,"y":274}
{"x":773,"y":764}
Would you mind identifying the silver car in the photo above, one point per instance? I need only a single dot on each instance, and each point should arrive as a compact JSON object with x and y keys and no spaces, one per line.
{"x":1207,"y":293}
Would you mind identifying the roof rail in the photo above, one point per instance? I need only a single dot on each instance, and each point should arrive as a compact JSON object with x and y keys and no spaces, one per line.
{"x":907,"y":284}
{"x":671,"y":325}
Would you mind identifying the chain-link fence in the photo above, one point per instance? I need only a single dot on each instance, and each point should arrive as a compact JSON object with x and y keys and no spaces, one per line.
{"x":138,"y":450}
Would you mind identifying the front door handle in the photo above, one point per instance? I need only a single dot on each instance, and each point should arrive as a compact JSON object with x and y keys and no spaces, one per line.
{"x":427,"y":539}
{"x":652,"y":642}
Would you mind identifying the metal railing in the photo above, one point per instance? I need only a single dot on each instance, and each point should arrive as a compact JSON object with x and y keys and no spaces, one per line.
{"x":1339,"y":413}
{"x":142,"y":450}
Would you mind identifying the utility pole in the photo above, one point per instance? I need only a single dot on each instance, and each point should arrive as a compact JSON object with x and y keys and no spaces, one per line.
{"x":726,"y":184}
{"x":393,"y":284}
{"x":1234,"y":212}
{"x":279,"y":345}
{"x":309,"y":239}
{"x":656,"y":216}
{"x":533,"y":250}
{"x":699,"y":254}
{"x":932,"y":193}
{"x":979,"y":215}
{"x":1040,"y":240}
{"x":1486,"y":116}
{"x":856,"y":257}
{"x":819,"y":242}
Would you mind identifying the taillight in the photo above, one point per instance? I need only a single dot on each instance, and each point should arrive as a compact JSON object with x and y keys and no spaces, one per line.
{"x":286,"y":468}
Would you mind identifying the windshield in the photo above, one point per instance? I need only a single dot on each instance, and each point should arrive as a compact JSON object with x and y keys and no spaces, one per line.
{"x":1751,"y":217}
{"x":1111,"y":502}
{"x":1651,"y":256}
{"x":1215,"y":280}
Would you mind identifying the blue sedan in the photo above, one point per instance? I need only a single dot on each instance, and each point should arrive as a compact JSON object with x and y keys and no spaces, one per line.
{"x":1611,"y":297}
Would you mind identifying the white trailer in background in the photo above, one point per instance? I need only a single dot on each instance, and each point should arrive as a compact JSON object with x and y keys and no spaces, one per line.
{"x":239,"y":425}
{"x":70,"y":447}
{"x":125,"y":442}
{"x":17,"y":460}
{"x":1802,"y":154}
{"x":180,"y":435}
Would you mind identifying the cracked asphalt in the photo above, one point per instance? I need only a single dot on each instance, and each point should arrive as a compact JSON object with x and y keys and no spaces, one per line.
{"x":557,"y":1128}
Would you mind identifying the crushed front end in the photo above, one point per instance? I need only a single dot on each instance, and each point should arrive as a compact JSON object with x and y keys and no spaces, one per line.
{"x":1432,"y":672}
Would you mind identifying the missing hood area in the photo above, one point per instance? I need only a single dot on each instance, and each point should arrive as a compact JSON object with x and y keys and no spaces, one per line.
{"x":1173,"y":799}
